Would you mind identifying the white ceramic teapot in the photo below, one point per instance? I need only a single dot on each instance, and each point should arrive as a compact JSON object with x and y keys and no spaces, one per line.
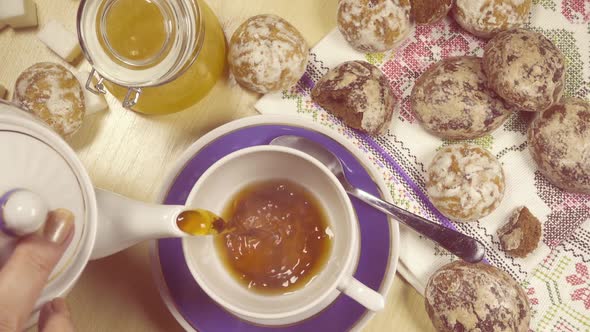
{"x":39,"y":171}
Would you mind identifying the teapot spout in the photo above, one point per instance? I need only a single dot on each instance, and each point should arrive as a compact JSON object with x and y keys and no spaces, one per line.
{"x":123,"y":222}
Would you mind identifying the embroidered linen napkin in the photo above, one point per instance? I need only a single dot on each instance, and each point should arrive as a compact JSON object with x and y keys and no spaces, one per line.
{"x":556,"y":274}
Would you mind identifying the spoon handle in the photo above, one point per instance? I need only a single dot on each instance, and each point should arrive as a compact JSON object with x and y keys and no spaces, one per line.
{"x":461,"y":245}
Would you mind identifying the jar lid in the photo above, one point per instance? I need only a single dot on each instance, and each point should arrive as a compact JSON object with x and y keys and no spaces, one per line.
{"x":41,"y":162}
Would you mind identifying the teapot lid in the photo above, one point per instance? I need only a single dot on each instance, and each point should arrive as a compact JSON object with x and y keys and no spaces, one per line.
{"x":38,"y":160}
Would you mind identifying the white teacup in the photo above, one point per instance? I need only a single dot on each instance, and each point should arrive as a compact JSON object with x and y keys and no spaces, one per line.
{"x":232,"y":173}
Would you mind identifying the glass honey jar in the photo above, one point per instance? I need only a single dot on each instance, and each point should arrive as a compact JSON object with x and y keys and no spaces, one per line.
{"x":156,"y":56}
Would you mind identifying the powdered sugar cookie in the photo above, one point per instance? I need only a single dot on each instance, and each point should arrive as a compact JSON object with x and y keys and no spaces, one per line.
{"x":267,"y":54}
{"x":465,"y":182}
{"x":53,"y":93}
{"x":374,"y":25}
{"x":484,"y":18}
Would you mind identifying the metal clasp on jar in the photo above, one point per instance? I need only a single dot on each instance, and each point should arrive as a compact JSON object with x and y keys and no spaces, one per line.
{"x":98,"y":88}
{"x":129,"y":102}
{"x":131,"y":98}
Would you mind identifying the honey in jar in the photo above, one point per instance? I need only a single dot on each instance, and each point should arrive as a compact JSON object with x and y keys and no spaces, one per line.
{"x":280,"y":237}
{"x":156,"y":56}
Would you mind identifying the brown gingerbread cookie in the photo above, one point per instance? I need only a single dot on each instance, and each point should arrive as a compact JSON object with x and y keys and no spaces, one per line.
{"x":521,"y":234}
{"x":359,"y":94}
{"x":462,"y":296}
{"x":451,"y":100}
{"x":559,"y":141}
{"x":430,"y":11}
{"x":525,"y":68}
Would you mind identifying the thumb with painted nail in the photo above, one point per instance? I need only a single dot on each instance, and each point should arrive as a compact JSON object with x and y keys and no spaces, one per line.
{"x":26,"y":273}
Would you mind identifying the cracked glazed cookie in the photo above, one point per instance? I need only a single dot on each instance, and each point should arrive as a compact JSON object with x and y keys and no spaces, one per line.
{"x":465,"y":182}
{"x":559,"y":141}
{"x":478,"y":297}
{"x":374,"y":25}
{"x":359,"y":94}
{"x":266,"y":53}
{"x":430,"y":11}
{"x":484,"y":18}
{"x":525,"y":68}
{"x":51,"y":92}
{"x":451,"y":100}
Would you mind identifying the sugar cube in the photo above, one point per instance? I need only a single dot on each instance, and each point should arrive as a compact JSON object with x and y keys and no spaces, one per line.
{"x":94,"y":103}
{"x":61,"y":41}
{"x":18,"y":13}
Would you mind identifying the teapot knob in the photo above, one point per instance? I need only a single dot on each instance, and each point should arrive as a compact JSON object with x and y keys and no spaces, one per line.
{"x":22,"y":212}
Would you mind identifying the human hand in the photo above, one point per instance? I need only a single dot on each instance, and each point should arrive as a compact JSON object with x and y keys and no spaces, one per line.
{"x":26,"y":272}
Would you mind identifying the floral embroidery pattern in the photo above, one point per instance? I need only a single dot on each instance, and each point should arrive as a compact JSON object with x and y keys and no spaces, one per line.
{"x":429,"y":44}
{"x":568,"y":211}
{"x":580,"y":278}
{"x":576,"y":11}
{"x":530,"y":292}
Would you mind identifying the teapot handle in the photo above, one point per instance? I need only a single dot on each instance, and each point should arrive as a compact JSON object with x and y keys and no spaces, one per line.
{"x":123,"y":222}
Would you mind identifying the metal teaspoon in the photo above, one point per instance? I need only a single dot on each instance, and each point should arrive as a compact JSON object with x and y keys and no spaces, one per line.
{"x":461,"y":245}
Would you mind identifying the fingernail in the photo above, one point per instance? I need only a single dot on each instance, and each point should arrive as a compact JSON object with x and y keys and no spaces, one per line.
{"x":59,"y":225}
{"x":47,"y":309}
{"x":59,"y":305}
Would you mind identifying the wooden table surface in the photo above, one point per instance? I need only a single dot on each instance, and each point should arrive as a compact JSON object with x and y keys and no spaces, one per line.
{"x":129,"y":153}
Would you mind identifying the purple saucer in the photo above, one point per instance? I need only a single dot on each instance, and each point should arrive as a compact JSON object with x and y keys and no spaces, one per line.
{"x":205,"y":315}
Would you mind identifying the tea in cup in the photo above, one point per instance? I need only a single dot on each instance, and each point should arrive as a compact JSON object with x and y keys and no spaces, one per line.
{"x":278,"y":238}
